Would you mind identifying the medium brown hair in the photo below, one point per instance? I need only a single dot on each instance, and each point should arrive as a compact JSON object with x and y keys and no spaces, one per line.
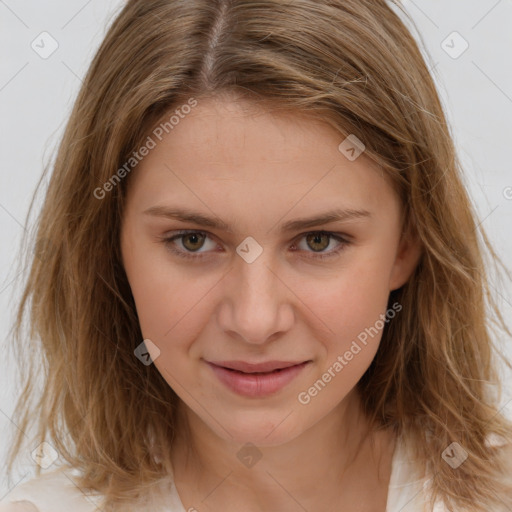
{"x":351,"y":63}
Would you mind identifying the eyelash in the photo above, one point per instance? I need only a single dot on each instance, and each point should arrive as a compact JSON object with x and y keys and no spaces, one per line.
{"x":168,"y":242}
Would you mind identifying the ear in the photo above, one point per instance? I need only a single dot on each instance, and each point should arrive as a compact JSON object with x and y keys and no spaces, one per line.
{"x":407,"y":258}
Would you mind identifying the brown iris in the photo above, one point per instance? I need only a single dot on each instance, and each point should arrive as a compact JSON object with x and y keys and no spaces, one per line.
{"x":196,"y":238}
{"x":317,"y":240}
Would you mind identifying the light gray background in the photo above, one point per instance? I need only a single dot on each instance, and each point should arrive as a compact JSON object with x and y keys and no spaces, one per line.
{"x":36,"y":96}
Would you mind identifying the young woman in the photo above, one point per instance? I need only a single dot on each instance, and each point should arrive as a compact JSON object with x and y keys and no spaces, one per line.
{"x":259,"y":282}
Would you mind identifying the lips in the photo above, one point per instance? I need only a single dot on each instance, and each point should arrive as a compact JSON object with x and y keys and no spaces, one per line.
{"x":268,"y":366}
{"x":256,"y":380}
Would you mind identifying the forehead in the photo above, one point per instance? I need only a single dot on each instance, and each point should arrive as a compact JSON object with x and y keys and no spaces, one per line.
{"x":227,"y":126}
{"x":239,"y":153}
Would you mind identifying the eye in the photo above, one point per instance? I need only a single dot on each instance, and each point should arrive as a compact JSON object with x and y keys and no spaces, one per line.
{"x":192,"y":241}
{"x":320,"y":240}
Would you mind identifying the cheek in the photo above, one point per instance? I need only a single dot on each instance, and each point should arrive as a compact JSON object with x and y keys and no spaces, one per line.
{"x":358,"y":293}
{"x":354,"y":322}
{"x":170,"y":303}
{"x":352,"y":306}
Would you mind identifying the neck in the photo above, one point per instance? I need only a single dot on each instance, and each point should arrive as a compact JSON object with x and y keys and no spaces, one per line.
{"x":339,"y":450}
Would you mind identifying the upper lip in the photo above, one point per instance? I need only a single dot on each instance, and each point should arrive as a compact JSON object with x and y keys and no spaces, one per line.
{"x":266,"y":366}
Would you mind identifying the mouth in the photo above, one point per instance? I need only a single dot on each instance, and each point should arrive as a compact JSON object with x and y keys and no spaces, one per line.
{"x":256,"y":380}
{"x":255,"y":368}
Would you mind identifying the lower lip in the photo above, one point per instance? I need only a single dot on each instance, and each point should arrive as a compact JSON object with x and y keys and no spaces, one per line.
{"x":257,"y":385}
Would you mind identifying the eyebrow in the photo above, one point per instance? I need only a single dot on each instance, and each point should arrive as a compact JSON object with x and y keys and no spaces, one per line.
{"x":200,"y":219}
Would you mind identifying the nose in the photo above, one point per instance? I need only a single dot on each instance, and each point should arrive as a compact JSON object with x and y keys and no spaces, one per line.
{"x":257,"y":303}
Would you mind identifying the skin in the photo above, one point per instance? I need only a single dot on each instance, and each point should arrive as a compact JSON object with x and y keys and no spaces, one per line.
{"x":255,"y":169}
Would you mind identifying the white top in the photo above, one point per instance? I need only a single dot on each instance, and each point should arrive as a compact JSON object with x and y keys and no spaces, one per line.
{"x":55,"y":491}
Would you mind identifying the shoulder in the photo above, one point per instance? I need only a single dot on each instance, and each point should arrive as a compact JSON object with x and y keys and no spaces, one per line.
{"x":54,"y":491}
{"x":19,"y":506}
{"x":409,"y":487}
{"x":505,"y":452}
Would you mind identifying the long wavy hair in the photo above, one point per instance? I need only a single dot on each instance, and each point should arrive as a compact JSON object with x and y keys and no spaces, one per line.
{"x":351,"y":63}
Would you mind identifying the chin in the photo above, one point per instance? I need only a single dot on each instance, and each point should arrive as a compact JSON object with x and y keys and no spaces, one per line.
{"x":261,"y":428}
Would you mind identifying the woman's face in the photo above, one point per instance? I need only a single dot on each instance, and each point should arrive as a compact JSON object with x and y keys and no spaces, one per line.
{"x":254,"y":281}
